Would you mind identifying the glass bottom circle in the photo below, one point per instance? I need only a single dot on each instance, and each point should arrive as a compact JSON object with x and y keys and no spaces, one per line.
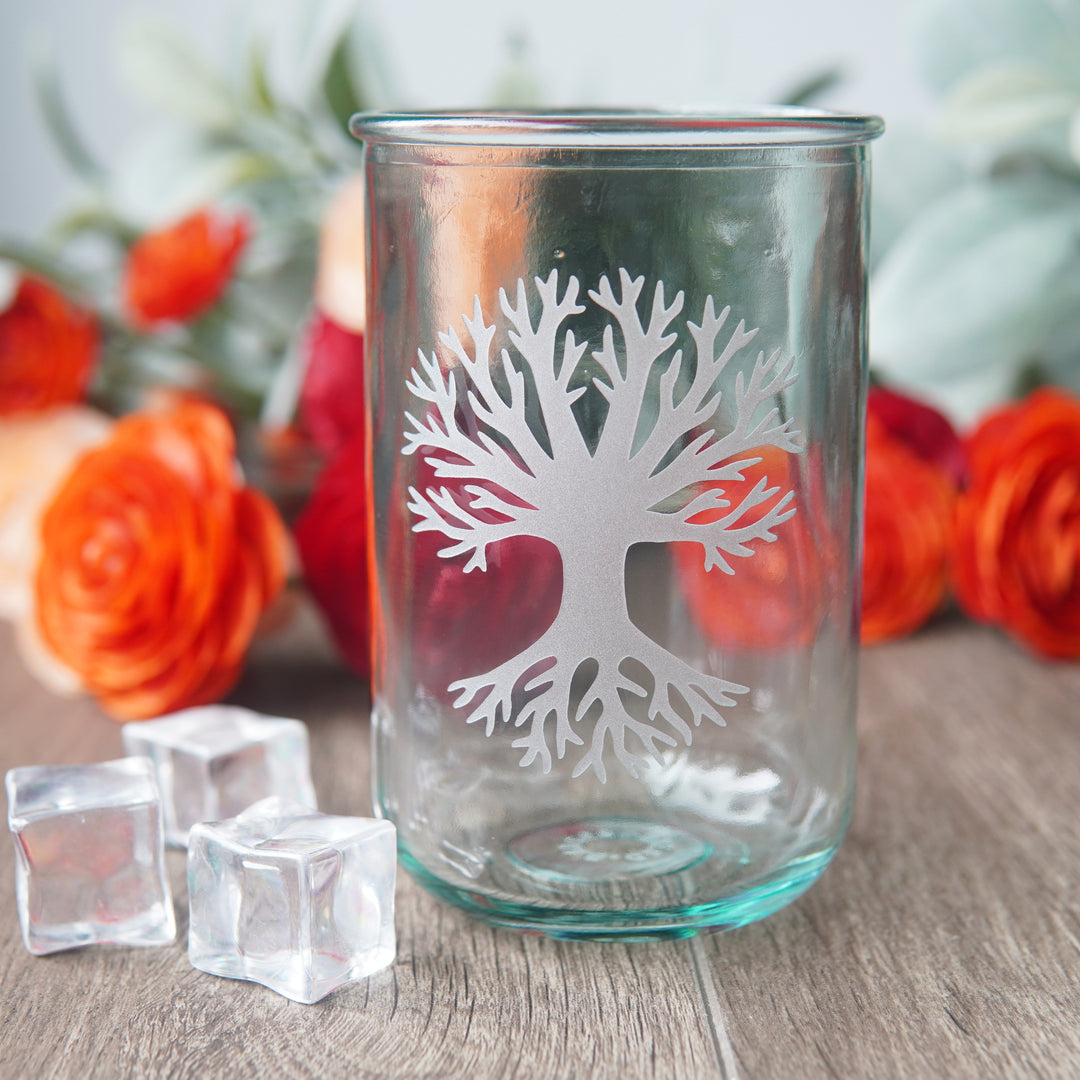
{"x":605,"y":849}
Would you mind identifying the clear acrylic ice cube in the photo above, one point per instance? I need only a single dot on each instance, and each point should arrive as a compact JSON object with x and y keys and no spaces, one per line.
{"x":89,"y":855}
{"x":299,"y":901}
{"x":216,"y":760}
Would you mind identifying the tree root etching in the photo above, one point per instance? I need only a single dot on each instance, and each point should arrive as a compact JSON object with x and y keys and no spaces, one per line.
{"x":536,"y":688}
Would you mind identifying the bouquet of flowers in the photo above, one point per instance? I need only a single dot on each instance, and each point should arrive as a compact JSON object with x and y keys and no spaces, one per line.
{"x":992,"y":519}
{"x":974,"y":299}
{"x":148,"y":348}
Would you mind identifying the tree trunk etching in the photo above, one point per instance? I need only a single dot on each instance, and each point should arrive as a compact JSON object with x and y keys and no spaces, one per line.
{"x":594,"y":505}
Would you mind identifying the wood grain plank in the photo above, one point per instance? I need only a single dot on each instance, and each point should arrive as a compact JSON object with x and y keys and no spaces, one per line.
{"x":461,"y":1000}
{"x":945,"y":939}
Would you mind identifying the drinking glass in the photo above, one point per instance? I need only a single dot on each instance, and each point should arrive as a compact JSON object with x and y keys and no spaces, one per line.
{"x":616,"y":376}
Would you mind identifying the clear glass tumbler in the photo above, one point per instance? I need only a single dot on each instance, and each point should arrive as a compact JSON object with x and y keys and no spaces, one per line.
{"x":616,"y":382}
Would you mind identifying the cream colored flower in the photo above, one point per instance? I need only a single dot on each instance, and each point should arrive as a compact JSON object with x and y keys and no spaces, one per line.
{"x":36,"y":452}
{"x":340,"y":289}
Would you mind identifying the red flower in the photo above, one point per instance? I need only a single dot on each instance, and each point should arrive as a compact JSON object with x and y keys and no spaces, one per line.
{"x":332,"y":397}
{"x":331,"y":534}
{"x":461,"y":624}
{"x":464,"y":624}
{"x":926,"y":432}
{"x":1017,"y":557}
{"x":907,"y":529}
{"x":48,"y":349}
{"x":177,"y":273}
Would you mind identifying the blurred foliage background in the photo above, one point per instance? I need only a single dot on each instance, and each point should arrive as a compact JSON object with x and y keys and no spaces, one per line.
{"x":976,"y":260}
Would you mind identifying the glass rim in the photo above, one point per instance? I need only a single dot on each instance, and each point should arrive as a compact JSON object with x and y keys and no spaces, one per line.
{"x":628,"y":129}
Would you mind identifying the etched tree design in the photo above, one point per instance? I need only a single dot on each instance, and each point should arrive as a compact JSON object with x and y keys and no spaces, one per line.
{"x":524,"y":467}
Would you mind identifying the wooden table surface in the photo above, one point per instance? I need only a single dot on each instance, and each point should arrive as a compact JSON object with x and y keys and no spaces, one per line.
{"x":944,"y":941}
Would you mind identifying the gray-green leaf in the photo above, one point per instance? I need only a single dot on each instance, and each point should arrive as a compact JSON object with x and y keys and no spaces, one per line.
{"x":1006,"y":101}
{"x":954,"y":38}
{"x":163,"y":67}
{"x":976,"y":284}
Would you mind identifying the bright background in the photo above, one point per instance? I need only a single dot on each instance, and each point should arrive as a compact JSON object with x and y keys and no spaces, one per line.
{"x":437,"y":54}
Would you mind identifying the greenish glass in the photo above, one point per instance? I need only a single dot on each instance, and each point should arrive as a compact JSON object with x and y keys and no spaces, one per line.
{"x":616,"y":377}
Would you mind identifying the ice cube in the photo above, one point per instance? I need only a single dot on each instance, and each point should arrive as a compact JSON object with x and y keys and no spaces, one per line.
{"x":299,"y":901}
{"x":214,"y":761}
{"x":89,"y":855}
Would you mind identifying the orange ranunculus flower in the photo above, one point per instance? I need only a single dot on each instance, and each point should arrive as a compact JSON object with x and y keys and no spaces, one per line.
{"x":157,"y":563}
{"x":177,"y":273}
{"x":48,"y":349}
{"x":775,"y":596}
{"x":1016,"y":561}
{"x":907,"y":531}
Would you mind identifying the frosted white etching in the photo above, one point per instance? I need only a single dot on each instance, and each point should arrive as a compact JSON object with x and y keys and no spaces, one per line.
{"x":655,"y":461}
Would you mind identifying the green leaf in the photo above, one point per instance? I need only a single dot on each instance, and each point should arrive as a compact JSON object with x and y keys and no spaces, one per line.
{"x":337,"y":85}
{"x":810,"y":89}
{"x":1074,"y":136}
{"x":258,"y":81}
{"x":374,"y":77}
{"x":963,"y":397}
{"x":306,"y":44}
{"x":35,"y":260}
{"x":164,"y":68}
{"x":954,"y":38}
{"x":92,"y":218}
{"x":59,"y":123}
{"x":283,"y":396}
{"x":169,"y":173}
{"x":1006,"y":101}
{"x":276,"y":299}
{"x":9,"y":282}
{"x":517,"y":87}
{"x":972,"y":289}
{"x":911,"y":172}
{"x":328,"y":34}
{"x":1059,"y":354}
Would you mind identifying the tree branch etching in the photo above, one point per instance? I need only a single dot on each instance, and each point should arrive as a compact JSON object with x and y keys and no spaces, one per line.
{"x":504,"y":430}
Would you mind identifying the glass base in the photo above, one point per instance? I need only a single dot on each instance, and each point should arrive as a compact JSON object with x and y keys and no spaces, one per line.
{"x":584,"y":873}
{"x":605,"y":849}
